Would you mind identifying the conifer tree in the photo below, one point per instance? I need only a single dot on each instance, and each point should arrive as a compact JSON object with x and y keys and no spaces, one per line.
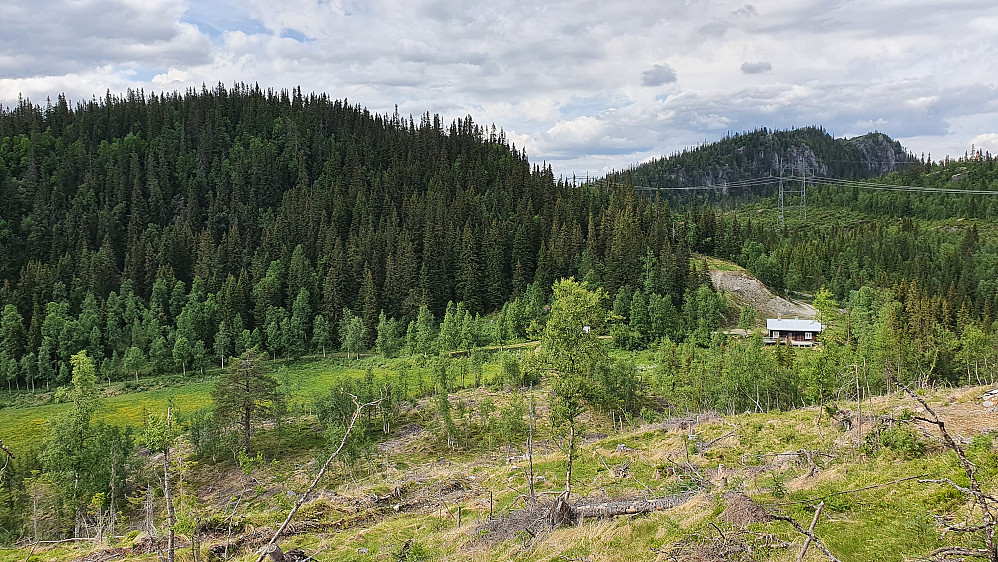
{"x":320,"y":334}
{"x":245,"y":392}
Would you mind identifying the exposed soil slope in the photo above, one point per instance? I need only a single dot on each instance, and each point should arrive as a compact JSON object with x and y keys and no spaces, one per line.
{"x":746,"y":290}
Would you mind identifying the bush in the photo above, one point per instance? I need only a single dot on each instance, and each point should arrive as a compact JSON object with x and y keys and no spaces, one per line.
{"x":899,"y":439}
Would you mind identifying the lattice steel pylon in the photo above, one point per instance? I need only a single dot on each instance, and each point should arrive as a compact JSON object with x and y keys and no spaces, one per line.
{"x":803,"y":192}
{"x":779,"y":215}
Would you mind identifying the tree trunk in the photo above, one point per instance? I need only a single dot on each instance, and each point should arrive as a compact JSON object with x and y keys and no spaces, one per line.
{"x":168,"y":494}
{"x":530,"y":445}
{"x":246,"y":429}
{"x":571,"y":457}
{"x":613,"y":509}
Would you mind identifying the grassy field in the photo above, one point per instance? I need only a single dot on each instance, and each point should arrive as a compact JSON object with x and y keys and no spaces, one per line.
{"x":23,"y":427}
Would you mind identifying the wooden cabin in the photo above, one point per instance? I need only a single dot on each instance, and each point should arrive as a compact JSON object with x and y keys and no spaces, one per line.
{"x":798,"y":332}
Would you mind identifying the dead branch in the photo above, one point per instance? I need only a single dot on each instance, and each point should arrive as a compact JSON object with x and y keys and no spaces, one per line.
{"x":957,"y":487}
{"x":988,"y":503}
{"x":810,"y":530}
{"x":809,"y":534}
{"x":703,"y":446}
{"x":303,"y":497}
{"x":958,"y":551}
{"x":734,"y":545}
{"x":72,"y":539}
{"x":314,"y":555}
{"x":10,"y":455}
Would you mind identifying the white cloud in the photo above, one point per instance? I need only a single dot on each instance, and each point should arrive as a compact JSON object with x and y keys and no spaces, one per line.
{"x":579,"y":83}
{"x":986,"y":141}
{"x":171,"y":76}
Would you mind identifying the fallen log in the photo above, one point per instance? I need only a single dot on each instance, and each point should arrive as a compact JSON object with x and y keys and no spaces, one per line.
{"x":615,"y":508}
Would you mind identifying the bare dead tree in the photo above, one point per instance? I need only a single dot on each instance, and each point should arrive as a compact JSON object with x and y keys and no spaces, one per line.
{"x":270,"y":548}
{"x":988,"y":504}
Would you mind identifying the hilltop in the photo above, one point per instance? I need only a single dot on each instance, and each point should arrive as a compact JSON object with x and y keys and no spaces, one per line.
{"x":757,"y":154}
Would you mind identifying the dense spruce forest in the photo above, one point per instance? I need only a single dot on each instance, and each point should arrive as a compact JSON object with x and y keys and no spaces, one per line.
{"x":198,"y":225}
{"x":164,"y":231}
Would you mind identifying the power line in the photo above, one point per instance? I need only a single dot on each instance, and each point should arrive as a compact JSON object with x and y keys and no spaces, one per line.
{"x":903,"y":188}
{"x":712,"y":187}
{"x":817,"y":180}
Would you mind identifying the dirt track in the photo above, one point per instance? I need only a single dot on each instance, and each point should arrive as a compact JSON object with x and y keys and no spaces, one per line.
{"x":749,"y":291}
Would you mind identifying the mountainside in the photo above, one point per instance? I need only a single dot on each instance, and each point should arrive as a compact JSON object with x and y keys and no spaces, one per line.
{"x":760,"y":153}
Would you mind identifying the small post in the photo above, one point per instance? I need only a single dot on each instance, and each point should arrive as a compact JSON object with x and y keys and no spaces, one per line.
{"x":490,"y":504}
{"x":458,"y":517}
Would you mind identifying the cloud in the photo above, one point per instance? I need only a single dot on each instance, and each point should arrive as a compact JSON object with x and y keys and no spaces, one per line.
{"x":581,"y":84}
{"x":756,"y":67}
{"x":986,"y":141}
{"x":658,"y":75}
{"x":70,"y":36}
{"x":169,"y":77}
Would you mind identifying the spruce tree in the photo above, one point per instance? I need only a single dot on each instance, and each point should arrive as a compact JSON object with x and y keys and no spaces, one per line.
{"x":246,"y":392}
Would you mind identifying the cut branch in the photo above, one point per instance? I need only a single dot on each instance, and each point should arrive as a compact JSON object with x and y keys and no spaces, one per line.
{"x":810,"y":530}
{"x":809,"y":534}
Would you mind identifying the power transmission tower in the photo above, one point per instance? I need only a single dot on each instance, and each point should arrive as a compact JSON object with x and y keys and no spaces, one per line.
{"x":802,"y":202}
{"x":803,"y":191}
{"x":779,"y":213}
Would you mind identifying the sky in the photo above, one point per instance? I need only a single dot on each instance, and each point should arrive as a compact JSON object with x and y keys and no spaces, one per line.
{"x":587,"y":86}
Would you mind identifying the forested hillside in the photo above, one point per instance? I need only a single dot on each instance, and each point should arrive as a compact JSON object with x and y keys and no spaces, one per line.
{"x":744,"y":156}
{"x":162,"y":232}
{"x":225,"y":219}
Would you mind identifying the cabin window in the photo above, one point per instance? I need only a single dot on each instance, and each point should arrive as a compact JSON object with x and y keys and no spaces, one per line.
{"x":807,"y":335}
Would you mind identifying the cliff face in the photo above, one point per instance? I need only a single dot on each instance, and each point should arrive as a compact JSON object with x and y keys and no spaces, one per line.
{"x":760,"y":154}
{"x":881,"y":153}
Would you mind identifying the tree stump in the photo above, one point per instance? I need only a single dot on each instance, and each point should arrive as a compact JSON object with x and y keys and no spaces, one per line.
{"x":275,"y":553}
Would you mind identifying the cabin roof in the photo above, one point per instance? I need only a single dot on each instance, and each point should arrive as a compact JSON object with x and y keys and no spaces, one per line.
{"x":794,"y":325}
